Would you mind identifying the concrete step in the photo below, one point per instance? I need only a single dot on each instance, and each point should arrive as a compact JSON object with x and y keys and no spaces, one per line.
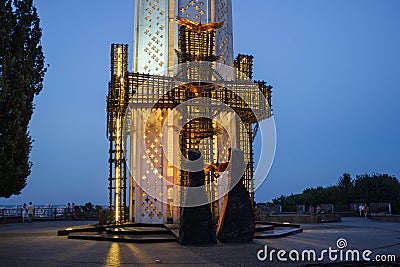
{"x":142,"y":238}
{"x":80,"y":228}
{"x":264,"y":227}
{"x":277,"y":233}
{"x":137,"y":233}
{"x":136,"y":230}
{"x":173,"y":229}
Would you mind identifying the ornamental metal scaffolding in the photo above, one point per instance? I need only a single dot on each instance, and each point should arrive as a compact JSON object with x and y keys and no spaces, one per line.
{"x":117,"y":102}
{"x":139,"y":90}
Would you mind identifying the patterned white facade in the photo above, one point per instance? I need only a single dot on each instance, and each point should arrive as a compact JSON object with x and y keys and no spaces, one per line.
{"x":225,"y":34}
{"x":156,"y":30}
{"x":151,"y":36}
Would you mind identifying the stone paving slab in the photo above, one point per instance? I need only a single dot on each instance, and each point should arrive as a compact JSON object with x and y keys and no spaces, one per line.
{"x":40,"y":248}
{"x":39,"y":227}
{"x":360,"y":234}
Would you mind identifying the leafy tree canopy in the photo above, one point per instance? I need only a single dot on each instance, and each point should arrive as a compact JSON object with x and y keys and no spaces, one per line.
{"x":365,"y":188}
{"x":21,"y":76}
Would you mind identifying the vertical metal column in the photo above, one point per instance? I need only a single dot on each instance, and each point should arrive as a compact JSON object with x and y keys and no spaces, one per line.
{"x":117,"y":102}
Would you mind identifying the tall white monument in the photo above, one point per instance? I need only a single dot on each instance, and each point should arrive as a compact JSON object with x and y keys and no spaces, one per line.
{"x":156,"y":30}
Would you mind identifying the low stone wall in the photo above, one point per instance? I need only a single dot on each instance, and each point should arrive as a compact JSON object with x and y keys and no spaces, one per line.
{"x":302,"y":219}
{"x":385,"y":218}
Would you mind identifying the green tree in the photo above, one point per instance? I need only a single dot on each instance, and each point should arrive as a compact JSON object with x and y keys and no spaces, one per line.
{"x":345,"y":182}
{"x":88,"y":209}
{"x":281,"y":200}
{"x":345,"y":186}
{"x":366,"y":188}
{"x":377,"y":188}
{"x":98,"y":209}
{"x":21,"y":76}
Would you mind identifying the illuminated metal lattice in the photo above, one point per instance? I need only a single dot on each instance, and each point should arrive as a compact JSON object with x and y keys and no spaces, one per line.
{"x":161,"y":42}
{"x":117,"y":101}
{"x":244,"y":66}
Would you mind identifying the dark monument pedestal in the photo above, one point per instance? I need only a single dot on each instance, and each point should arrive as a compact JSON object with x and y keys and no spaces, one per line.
{"x":196,"y":227}
{"x":237,"y":223}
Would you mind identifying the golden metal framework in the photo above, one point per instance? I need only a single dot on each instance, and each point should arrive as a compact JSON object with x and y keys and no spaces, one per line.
{"x":196,"y":43}
{"x":117,"y":102}
{"x":198,"y":27}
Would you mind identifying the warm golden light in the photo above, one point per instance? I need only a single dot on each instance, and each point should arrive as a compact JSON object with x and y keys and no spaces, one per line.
{"x":114,"y":255}
{"x":117,"y":172}
{"x":119,"y":62}
{"x":198,"y":27}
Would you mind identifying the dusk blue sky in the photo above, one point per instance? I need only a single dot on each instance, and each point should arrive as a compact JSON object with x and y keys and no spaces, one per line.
{"x":334,"y":65}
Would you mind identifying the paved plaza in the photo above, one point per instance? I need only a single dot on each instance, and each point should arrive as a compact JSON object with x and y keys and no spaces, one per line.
{"x":37,"y":244}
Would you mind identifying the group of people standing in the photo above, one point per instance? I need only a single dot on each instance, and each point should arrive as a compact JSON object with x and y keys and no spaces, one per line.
{"x":316,"y":210}
{"x":70,"y":212}
{"x":364,"y":210}
{"x":27,"y":210}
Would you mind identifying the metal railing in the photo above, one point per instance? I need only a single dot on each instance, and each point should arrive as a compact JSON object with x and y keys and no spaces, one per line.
{"x":51,"y":213}
{"x":39,"y":213}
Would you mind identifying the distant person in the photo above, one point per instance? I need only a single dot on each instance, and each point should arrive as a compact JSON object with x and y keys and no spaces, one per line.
{"x":361,"y":209}
{"x":73,"y":211}
{"x":311,"y":209}
{"x":68,"y":211}
{"x":366,"y":210}
{"x":24,"y":212}
{"x":318,"y":209}
{"x":30,"y":212}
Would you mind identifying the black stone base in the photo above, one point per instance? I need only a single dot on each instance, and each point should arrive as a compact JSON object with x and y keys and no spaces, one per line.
{"x":237,"y":223}
{"x":197,"y":227}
